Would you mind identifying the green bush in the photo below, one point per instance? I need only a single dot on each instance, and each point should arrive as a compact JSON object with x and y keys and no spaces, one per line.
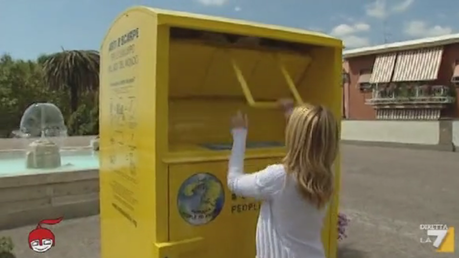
{"x":6,"y":247}
{"x":84,"y":121}
{"x":22,"y":83}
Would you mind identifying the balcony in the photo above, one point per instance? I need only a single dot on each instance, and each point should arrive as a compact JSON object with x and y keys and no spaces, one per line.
{"x":411,"y":97}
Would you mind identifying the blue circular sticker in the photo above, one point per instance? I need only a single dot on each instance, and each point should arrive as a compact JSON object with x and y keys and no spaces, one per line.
{"x":200,"y":199}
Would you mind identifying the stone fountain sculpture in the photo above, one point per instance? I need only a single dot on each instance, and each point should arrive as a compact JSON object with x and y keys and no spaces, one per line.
{"x":42,"y":120}
{"x":95,"y":143}
{"x":42,"y":154}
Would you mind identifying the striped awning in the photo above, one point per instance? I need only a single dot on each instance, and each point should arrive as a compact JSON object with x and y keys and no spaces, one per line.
{"x":383,"y":68}
{"x":418,"y":65}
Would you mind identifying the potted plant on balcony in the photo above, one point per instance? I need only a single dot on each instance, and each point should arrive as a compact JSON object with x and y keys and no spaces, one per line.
{"x":6,"y":248}
{"x":423,"y":91}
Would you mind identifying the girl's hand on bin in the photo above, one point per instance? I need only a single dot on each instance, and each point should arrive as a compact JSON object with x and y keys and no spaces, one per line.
{"x":287,"y":106}
{"x":239,"y":121}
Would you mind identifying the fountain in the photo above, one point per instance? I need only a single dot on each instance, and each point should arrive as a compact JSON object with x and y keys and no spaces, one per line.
{"x":42,"y":120}
{"x":43,"y":153}
{"x":42,"y":171}
{"x":43,"y":140}
{"x":95,"y":144}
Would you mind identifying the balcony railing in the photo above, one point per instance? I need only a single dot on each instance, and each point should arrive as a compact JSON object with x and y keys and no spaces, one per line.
{"x":413,"y":95}
{"x":410,"y":100}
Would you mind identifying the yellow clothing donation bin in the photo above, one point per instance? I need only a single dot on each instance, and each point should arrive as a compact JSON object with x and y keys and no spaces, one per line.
{"x":170,"y":82}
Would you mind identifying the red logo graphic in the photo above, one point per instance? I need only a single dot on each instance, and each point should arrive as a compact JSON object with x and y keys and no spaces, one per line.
{"x":43,"y":239}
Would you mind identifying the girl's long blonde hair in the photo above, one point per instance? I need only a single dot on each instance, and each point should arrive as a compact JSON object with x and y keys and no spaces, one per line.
{"x":312,"y":138}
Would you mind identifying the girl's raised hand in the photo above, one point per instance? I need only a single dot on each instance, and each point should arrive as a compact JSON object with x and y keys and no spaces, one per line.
{"x":287,"y":106}
{"x":239,"y":121}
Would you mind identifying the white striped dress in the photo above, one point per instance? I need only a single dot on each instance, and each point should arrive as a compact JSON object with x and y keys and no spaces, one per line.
{"x":288,"y":226}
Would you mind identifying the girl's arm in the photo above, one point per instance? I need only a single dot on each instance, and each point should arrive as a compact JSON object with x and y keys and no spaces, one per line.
{"x":260,"y":185}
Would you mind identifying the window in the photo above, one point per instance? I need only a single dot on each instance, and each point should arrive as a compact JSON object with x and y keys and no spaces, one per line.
{"x":455,"y":77}
{"x":346,"y":77}
{"x":364,"y":80}
{"x":365,"y":87}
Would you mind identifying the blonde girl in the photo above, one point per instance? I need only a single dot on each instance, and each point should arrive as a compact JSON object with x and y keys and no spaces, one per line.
{"x":295,"y":193}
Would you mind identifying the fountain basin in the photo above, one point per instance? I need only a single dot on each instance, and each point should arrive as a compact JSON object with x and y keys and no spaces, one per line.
{"x":13,"y":162}
{"x":72,"y":142}
{"x":30,"y":195}
{"x":43,"y":179}
{"x":27,"y":199}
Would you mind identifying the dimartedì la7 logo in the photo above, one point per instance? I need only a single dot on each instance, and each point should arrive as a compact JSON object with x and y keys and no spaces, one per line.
{"x":442,"y":235}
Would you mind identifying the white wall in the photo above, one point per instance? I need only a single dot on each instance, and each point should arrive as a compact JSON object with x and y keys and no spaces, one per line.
{"x":411,"y":132}
{"x":456,"y":133}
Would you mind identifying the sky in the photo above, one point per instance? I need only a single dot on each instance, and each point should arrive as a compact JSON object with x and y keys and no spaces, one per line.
{"x":29,"y":28}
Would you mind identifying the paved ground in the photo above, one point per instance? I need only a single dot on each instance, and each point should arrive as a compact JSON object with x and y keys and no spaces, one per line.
{"x":386,"y":192}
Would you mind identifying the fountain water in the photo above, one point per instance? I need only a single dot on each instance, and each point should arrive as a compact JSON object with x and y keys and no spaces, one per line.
{"x":43,"y":120}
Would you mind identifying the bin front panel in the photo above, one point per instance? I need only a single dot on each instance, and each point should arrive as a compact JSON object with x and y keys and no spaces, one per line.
{"x":200,"y":205}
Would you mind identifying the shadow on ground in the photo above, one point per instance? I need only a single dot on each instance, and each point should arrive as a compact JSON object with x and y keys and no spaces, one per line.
{"x":347,"y":251}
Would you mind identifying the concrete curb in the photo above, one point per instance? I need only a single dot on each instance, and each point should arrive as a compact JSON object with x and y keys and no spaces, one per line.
{"x":438,"y":147}
{"x":27,"y":199}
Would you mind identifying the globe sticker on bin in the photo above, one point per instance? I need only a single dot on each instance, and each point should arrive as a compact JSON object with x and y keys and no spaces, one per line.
{"x":200,"y":199}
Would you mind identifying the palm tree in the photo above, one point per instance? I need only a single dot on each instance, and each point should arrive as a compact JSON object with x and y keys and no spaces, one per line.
{"x":78,"y":70}
{"x":41,"y":59}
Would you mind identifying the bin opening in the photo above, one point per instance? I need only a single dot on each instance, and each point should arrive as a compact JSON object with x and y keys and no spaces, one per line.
{"x":232,"y":40}
{"x":249,"y":145}
{"x":212,"y":75}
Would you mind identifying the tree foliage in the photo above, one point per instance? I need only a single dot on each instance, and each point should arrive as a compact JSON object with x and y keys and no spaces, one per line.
{"x":24,"y":82}
{"x":6,"y":247}
{"x":77,"y":70}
